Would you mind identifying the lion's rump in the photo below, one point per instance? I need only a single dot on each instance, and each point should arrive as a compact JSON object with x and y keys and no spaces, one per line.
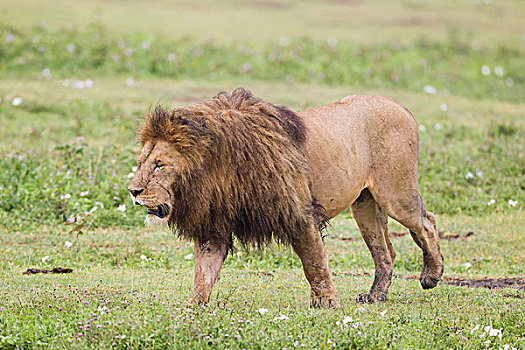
{"x":250,"y":178}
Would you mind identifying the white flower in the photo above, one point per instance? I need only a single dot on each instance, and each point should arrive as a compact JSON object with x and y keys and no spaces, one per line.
{"x":130,"y":175}
{"x":143,"y":257}
{"x":262,"y":311}
{"x":246,"y":67}
{"x":188,"y":257}
{"x":129,"y":82}
{"x":360,"y":309}
{"x":467,"y":265}
{"x":65,"y":196}
{"x":492,"y":201}
{"x":145,"y":45}
{"x":331,"y":41}
{"x":474,"y":329}
{"x":65,"y":82}
{"x":344,"y":321}
{"x":134,"y":169}
{"x":92,"y":210}
{"x":122,"y":208}
{"x":512,"y":203}
{"x":88,"y":83}
{"x":429,"y":89}
{"x":45,"y":258}
{"x":46,"y":73}
{"x":282,"y":317}
{"x":437,"y":126}
{"x":495,"y":332}
{"x":383,"y":313}
{"x":476,"y":46}
{"x":443,"y":107}
{"x":485,"y":70}
{"x":499,"y":71}
{"x":78,"y":84}
{"x":479,"y":173}
{"x":68,"y":244}
{"x":469,"y":175}
{"x":356,"y":325}
{"x":17,"y":101}
{"x":422,"y":128}
{"x":98,"y":204}
{"x":70,"y":48}
{"x":284,"y":41}
{"x":83,"y":194}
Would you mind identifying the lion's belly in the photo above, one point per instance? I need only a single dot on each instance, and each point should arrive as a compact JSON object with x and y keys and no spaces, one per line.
{"x":337,"y":152}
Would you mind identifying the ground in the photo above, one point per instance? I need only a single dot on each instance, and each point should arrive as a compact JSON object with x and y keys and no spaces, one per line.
{"x":68,"y":116}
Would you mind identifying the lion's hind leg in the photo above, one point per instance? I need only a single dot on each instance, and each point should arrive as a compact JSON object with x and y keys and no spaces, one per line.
{"x":407,"y":208}
{"x":373,"y":224}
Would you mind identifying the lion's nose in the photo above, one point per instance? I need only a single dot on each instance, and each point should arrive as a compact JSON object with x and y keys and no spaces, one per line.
{"x":135,"y":192}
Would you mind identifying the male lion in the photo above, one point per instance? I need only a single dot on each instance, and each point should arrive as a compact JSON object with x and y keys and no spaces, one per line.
{"x":235,"y":165}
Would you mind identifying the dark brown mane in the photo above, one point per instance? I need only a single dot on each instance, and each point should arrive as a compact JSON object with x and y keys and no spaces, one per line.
{"x":249,"y":176}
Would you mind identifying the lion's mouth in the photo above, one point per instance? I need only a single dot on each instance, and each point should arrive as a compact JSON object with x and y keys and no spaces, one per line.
{"x":161,"y":210}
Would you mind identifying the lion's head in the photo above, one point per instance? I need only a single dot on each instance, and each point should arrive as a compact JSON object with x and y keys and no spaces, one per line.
{"x":230,"y":165}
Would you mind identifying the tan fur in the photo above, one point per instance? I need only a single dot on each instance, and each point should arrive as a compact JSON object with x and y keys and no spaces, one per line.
{"x":236,"y":165}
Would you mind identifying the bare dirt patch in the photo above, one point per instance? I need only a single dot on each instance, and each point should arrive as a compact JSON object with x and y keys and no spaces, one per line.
{"x":33,"y":271}
{"x":447,"y":236}
{"x":491,"y":283}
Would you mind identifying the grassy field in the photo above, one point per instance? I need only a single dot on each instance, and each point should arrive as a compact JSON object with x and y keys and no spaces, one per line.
{"x":72,"y":92}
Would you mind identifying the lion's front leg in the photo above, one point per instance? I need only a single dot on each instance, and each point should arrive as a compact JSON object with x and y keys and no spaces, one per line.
{"x":310,"y":249}
{"x":209,"y":257}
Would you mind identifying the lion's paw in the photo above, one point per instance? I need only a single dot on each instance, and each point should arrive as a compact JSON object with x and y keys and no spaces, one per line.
{"x":368,"y":298}
{"x":324,"y":302}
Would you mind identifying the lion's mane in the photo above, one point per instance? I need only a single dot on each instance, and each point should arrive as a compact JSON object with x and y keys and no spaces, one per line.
{"x":247,"y":171}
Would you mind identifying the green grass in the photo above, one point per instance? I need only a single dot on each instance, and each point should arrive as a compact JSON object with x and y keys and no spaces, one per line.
{"x":66,"y":153}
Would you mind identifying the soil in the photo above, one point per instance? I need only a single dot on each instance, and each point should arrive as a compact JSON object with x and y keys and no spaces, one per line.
{"x":33,"y":270}
{"x":491,"y":283}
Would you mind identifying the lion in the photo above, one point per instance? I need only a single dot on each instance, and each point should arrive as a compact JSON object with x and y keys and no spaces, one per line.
{"x":235,"y":166}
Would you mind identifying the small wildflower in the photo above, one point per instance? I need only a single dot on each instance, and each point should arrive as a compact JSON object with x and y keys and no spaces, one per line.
{"x":122,"y":208}
{"x":129,"y":82}
{"x":498,"y":71}
{"x":331,"y":41}
{"x":485,"y":70}
{"x":262,"y":311}
{"x":443,"y":107}
{"x":17,"y":101}
{"x":70,"y":48}
{"x":437,"y":126}
{"x":45,"y":258}
{"x":171,"y":56}
{"x":143,"y":257}
{"x":68,"y":244}
{"x":130,"y":175}
{"x":512,"y":203}
{"x":422,"y":128}
{"x":479,"y":173}
{"x":9,"y":38}
{"x":469,"y":175}
{"x":145,"y":45}
{"x":284,"y":41}
{"x":188,"y":257}
{"x":429,"y":89}
{"x":467,"y":265}
{"x":83,"y":194}
{"x":492,"y":201}
{"x":282,"y":317}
